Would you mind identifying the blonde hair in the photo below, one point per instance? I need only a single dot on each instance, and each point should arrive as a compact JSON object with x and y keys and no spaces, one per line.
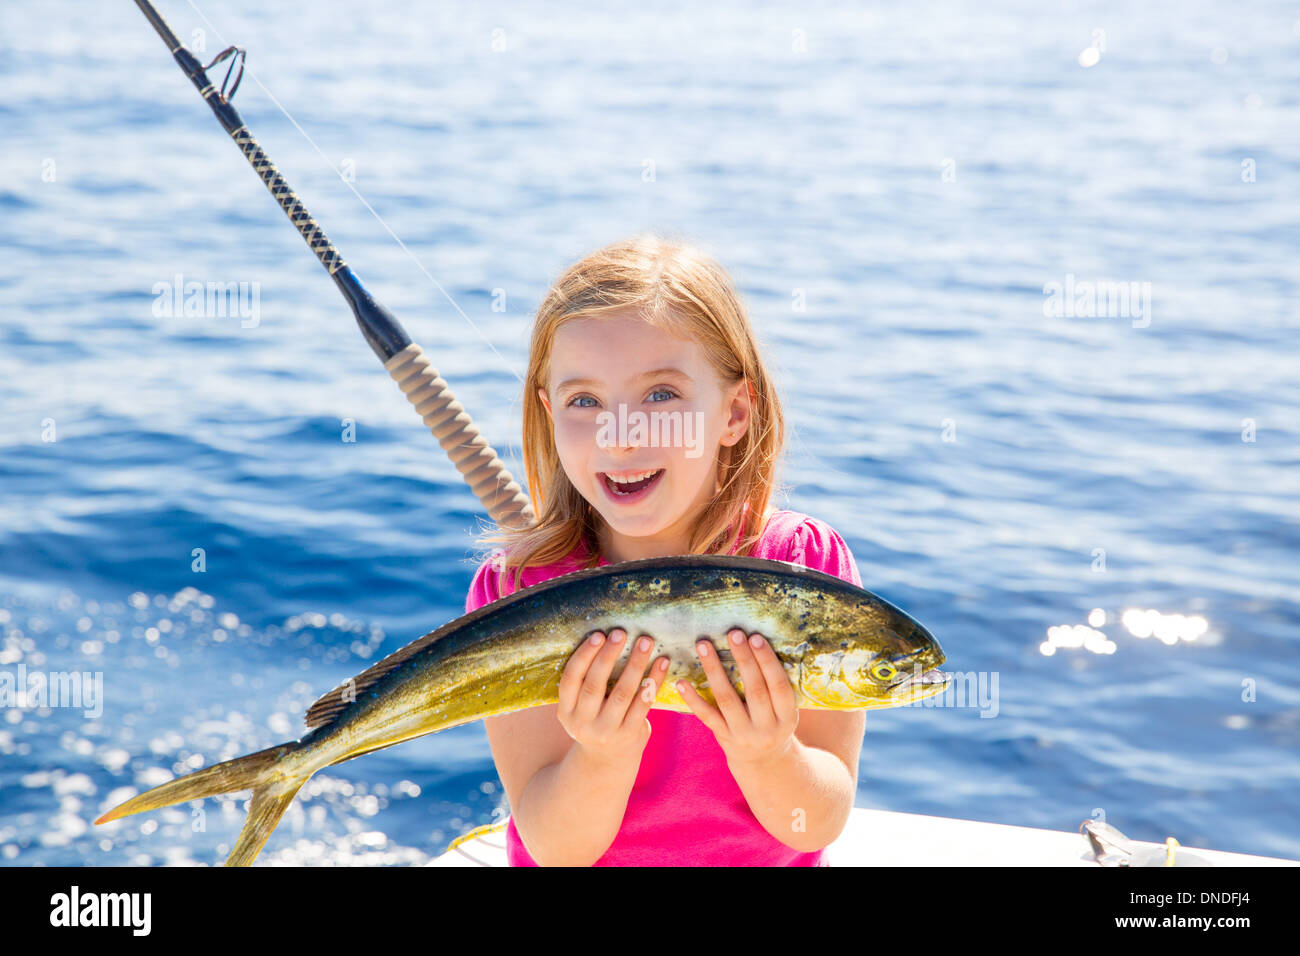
{"x":676,"y":287}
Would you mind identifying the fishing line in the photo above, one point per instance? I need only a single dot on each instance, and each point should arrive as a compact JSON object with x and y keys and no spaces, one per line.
{"x":380,"y":219}
{"x":795,"y":435}
{"x":405,"y":361}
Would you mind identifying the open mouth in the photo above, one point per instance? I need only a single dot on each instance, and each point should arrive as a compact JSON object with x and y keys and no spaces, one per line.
{"x":923,"y":682}
{"x":633,"y":486}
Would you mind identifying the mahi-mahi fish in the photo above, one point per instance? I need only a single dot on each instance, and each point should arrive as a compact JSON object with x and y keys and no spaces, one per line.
{"x":842,"y":647}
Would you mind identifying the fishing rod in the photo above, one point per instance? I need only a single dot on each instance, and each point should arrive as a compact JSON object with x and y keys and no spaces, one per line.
{"x":405,"y":361}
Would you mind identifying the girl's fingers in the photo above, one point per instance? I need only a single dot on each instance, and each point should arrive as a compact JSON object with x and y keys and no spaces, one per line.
{"x":701,"y":708}
{"x":628,"y":686}
{"x":647,"y":690}
{"x":758,"y":701}
{"x":729,"y":702}
{"x":575,"y":671}
{"x":591,"y":696}
{"x":784,"y":705}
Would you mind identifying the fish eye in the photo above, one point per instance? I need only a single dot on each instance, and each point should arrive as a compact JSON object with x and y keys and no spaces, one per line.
{"x":884,"y":671}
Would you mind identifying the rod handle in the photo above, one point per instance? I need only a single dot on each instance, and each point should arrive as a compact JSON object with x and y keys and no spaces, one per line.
{"x":460,"y":438}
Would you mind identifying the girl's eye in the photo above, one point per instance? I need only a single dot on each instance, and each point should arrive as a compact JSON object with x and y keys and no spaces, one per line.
{"x":572,"y":403}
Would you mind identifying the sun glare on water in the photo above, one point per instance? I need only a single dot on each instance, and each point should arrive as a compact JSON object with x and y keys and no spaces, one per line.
{"x":1167,"y":628}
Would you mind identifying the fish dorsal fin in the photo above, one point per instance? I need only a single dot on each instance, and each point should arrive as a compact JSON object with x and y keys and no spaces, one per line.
{"x":327,"y":708}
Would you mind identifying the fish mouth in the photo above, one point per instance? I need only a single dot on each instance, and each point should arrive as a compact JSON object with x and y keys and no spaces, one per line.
{"x":932,"y":676}
{"x":921,"y":684}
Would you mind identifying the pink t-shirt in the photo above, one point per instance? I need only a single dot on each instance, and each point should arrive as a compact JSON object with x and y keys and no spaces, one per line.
{"x":685,"y":808}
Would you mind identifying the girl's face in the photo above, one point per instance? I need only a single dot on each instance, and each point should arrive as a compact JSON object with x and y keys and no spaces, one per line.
{"x":628,"y":400}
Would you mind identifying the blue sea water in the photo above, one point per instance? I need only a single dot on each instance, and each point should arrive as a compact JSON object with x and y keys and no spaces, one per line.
{"x":894,"y":189}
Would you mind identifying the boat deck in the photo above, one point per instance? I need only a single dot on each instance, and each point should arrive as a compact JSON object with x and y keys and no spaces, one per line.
{"x":889,"y":838}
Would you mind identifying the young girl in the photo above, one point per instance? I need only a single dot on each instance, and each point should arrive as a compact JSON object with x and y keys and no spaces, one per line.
{"x":651,"y":325}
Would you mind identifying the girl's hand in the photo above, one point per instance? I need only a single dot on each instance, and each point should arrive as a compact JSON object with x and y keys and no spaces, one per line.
{"x":614,"y":728}
{"x":760,"y":728}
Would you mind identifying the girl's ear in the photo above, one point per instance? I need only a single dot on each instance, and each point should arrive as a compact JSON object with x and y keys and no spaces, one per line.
{"x":741,"y":408}
{"x":541,"y":393}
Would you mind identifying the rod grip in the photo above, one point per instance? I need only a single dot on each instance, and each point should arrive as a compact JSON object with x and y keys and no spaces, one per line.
{"x":460,"y":438}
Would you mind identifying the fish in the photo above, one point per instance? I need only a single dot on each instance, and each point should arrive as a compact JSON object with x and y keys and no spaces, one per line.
{"x":843,"y":648}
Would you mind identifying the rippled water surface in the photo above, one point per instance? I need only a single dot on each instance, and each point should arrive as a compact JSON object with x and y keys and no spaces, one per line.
{"x":893,"y":189}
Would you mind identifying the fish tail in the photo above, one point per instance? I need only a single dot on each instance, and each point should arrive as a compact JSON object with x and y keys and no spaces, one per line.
{"x":273,"y":791}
